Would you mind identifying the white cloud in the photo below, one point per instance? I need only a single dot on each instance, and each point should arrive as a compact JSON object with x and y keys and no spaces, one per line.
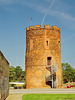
{"x":56,"y":13}
{"x":4,"y":2}
{"x":62,"y":15}
{"x":67,"y":16}
{"x":51,"y":4}
{"x":68,"y":38}
{"x":8,"y":2}
{"x":50,"y":11}
{"x":43,"y":9}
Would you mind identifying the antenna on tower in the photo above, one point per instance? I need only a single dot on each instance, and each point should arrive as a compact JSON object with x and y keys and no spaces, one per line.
{"x":31,"y":20}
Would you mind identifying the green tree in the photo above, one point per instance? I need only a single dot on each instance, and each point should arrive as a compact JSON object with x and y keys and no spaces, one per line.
{"x":18,"y":72}
{"x":73,"y":75}
{"x":67,"y":72}
{"x":23,"y":75}
{"x":11,"y":73}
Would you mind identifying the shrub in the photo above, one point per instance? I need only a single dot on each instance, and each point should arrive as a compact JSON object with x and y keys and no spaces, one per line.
{"x":24,"y":86}
{"x":73,"y":85}
{"x":12,"y":85}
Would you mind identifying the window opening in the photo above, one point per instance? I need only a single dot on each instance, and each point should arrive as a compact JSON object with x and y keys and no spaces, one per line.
{"x":47,"y":43}
{"x":58,"y":41}
{"x":48,"y":60}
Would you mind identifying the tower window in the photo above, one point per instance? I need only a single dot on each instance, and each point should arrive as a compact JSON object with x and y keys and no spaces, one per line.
{"x":58,"y":41}
{"x":47,"y":43}
{"x":48,"y":60}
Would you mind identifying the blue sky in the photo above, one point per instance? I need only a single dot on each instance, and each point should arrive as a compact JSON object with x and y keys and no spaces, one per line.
{"x":15,"y":16}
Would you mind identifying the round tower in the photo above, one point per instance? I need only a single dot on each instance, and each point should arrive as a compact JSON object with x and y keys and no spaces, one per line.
{"x":43,"y":57}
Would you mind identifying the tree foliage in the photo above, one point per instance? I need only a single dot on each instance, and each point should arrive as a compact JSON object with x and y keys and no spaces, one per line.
{"x":68,"y":72}
{"x":11,"y":73}
{"x":16,"y":74}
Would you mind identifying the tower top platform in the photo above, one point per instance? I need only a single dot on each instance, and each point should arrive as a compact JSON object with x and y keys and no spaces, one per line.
{"x":45,"y":27}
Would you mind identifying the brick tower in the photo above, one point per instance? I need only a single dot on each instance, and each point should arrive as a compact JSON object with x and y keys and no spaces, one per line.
{"x":43,"y":57}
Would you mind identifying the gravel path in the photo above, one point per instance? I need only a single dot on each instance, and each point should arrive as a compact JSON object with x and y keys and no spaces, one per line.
{"x":16,"y":94}
{"x":44,"y":90}
{"x":14,"y":97}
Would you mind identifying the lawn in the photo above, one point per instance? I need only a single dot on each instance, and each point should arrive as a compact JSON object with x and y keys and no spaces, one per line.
{"x":48,"y":97}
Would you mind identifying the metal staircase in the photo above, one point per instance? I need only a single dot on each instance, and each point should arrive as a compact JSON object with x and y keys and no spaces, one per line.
{"x":52,"y":70}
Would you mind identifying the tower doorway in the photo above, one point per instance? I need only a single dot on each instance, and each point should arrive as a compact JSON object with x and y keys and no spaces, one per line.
{"x":50,"y":73}
{"x":49,"y":83}
{"x":48,"y":61}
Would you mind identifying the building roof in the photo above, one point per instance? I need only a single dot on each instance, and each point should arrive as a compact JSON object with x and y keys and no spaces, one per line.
{"x":3,"y":56}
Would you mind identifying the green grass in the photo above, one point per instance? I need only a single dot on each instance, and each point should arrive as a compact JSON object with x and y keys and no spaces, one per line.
{"x":48,"y":97}
{"x":72,"y":87}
